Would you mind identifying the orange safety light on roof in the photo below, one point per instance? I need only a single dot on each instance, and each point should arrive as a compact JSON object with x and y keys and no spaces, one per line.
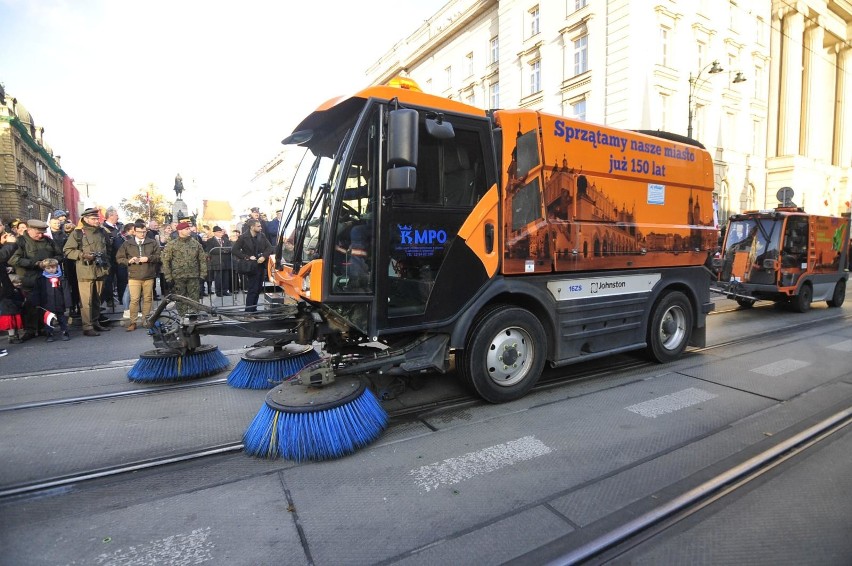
{"x":404,"y":82}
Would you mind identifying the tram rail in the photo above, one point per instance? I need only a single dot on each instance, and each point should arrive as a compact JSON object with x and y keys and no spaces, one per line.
{"x":545,"y":383}
{"x":629,"y":535}
{"x":404,"y":414}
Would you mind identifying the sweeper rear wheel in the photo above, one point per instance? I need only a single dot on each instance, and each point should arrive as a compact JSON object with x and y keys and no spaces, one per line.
{"x":315,"y":423}
{"x":278,"y":353}
{"x":162,"y":364}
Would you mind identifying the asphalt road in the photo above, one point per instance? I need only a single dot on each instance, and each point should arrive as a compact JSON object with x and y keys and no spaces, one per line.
{"x":527,"y":481}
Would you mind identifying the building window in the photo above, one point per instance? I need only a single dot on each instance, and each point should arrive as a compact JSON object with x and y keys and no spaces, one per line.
{"x":664,"y":111}
{"x":757,"y":137}
{"x":471,"y":98}
{"x":469,"y":59}
{"x":665,"y":37}
{"x":581,"y":55}
{"x":698,"y":122}
{"x":701,"y":52}
{"x":760,"y":31}
{"x":495,"y":50}
{"x":449,"y":74}
{"x":724,"y":203}
{"x":494,"y":95}
{"x":579,"y":4}
{"x":758,"y":81}
{"x":534,"y":21}
{"x":535,"y":76}
{"x":578,"y":109}
{"x":731,"y":125}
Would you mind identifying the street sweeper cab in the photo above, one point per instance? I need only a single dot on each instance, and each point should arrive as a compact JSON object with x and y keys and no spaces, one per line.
{"x":424,"y":235}
{"x":784,"y":255}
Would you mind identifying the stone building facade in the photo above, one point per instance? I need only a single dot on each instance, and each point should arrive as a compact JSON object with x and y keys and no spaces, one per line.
{"x":707,"y":67}
{"x":32,"y":184}
{"x":810,"y":98}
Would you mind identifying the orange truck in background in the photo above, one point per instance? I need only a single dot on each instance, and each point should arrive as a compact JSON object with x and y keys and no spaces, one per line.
{"x":784,"y":255}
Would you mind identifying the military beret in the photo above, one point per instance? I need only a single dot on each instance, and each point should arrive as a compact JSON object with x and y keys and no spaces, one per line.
{"x":183,"y":226}
{"x":37,"y":224}
{"x":91,"y":212}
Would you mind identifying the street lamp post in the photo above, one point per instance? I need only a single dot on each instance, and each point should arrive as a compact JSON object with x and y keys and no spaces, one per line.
{"x":714,"y":68}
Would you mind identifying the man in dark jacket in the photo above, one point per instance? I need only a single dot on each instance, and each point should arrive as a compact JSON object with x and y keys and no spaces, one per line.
{"x":57,"y":228}
{"x":141,"y":256}
{"x":254,"y":214}
{"x":113,"y":228}
{"x":219,"y":249}
{"x":273,"y":226}
{"x":90,"y":246}
{"x":253,"y":246}
{"x":126,"y":233}
{"x":33,"y":249}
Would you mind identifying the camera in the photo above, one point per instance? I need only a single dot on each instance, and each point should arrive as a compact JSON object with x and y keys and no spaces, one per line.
{"x":101,"y":260}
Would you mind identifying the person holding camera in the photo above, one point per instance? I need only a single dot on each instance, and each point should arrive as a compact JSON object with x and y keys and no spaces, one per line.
{"x":141,"y":255}
{"x":89,"y":246}
{"x":33,"y":249}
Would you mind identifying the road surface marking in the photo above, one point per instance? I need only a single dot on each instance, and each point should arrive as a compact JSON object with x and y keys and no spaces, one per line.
{"x":653,"y":408}
{"x":455,"y":470}
{"x":845,"y":346}
{"x":780,"y":367}
{"x":193,"y":548}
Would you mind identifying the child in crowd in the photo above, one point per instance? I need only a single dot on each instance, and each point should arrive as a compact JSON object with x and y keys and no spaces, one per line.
{"x":11,"y":307}
{"x":52,"y":295}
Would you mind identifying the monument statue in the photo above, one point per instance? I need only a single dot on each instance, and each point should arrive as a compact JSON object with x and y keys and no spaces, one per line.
{"x":178,"y":206}
{"x":178,"y":185}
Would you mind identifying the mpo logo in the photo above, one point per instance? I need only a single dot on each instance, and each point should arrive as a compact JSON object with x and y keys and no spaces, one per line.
{"x":413,"y":237}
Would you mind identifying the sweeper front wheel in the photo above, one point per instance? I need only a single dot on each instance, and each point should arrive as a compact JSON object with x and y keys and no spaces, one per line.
{"x":163,"y":365}
{"x":315,"y":423}
{"x":263,"y":368}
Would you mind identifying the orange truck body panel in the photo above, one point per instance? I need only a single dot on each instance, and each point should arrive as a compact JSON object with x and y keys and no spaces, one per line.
{"x":580,"y":197}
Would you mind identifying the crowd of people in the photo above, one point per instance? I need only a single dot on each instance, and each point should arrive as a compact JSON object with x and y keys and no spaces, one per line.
{"x":54,"y":271}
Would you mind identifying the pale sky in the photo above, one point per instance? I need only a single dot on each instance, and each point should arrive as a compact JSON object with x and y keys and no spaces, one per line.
{"x":133,"y":92}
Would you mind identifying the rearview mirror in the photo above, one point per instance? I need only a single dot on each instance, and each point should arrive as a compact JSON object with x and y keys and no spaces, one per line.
{"x":402,"y":138}
{"x":439,"y":128}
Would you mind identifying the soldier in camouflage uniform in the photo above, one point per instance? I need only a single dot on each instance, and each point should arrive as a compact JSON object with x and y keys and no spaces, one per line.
{"x":184,"y":262}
